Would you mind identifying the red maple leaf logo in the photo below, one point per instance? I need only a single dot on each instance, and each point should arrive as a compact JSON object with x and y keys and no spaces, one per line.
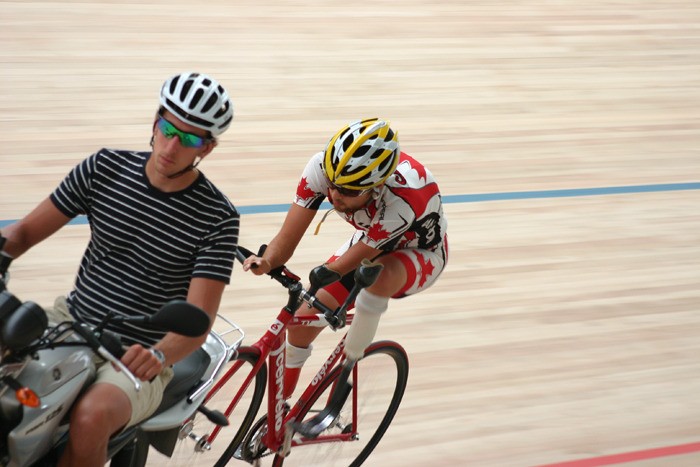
{"x":377,"y":233}
{"x":421,"y":171}
{"x":303,"y":190}
{"x":415,"y":165}
{"x":426,"y":269}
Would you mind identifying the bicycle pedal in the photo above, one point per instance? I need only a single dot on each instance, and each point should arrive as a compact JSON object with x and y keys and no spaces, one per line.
{"x":313,"y":427}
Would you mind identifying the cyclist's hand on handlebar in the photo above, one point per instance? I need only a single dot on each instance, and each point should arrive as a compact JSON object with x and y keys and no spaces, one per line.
{"x":257,"y":265}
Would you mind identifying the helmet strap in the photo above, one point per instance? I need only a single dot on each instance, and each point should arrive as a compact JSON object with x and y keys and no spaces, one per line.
{"x":318,"y":227}
{"x":186,"y":169}
{"x":378,"y":191}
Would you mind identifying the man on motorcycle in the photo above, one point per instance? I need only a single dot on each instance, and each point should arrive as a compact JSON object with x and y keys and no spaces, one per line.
{"x":160,"y":230}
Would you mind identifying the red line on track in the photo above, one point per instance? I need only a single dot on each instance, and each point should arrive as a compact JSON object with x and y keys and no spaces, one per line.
{"x":630,"y":456}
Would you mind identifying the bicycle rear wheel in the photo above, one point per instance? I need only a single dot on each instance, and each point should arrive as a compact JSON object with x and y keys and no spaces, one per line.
{"x":197,"y":448}
{"x":381,"y":381}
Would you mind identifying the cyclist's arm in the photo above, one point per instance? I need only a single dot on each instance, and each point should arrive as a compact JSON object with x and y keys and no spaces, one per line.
{"x":36,"y":226}
{"x":352,"y":258}
{"x":281,"y":248}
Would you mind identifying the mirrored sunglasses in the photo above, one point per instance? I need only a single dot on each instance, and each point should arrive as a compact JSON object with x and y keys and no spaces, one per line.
{"x":188,"y":140}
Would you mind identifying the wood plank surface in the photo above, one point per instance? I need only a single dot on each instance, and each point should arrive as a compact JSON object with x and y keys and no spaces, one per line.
{"x":564,"y":328}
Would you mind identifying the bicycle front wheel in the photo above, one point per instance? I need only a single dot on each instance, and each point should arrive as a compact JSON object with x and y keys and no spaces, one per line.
{"x":378,"y":389}
{"x":196,"y":446}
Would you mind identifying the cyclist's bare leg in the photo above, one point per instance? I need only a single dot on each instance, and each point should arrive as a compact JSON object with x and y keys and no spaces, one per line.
{"x":392,"y":278}
{"x":303,"y":336}
{"x":299,"y":339}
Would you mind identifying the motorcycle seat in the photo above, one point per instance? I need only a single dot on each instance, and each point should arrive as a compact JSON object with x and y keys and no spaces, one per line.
{"x":188,"y":374}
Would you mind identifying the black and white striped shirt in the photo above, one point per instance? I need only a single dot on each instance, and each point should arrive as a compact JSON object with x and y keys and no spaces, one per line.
{"x":145,"y":245}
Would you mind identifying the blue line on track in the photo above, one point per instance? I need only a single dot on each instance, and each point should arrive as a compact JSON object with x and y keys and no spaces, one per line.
{"x":477,"y":198}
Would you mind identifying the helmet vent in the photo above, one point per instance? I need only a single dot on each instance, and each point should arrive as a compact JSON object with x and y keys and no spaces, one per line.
{"x":383,"y":165}
{"x":362,"y":150}
{"x":195,"y":99}
{"x":210,"y":103}
{"x":185,"y":90}
{"x":173,"y":84}
{"x":348,"y":141}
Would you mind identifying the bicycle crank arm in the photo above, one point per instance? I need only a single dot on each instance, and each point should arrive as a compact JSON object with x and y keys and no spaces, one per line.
{"x":325,"y":418}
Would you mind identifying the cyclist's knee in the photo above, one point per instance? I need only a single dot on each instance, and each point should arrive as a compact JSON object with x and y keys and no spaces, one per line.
{"x":391,"y":279}
{"x":302,"y":336}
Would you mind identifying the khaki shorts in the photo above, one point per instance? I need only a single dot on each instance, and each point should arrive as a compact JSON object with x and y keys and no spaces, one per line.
{"x":143,"y":402}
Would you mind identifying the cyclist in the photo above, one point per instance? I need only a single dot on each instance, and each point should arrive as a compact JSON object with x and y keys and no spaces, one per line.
{"x":160,"y":230}
{"x":394,"y":204}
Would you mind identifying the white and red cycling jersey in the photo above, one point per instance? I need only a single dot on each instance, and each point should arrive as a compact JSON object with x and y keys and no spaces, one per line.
{"x":407,"y":215}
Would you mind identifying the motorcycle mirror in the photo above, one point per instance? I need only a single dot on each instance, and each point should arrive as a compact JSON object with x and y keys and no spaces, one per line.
{"x":181,"y":317}
{"x":8,"y":304}
{"x":24,"y":326}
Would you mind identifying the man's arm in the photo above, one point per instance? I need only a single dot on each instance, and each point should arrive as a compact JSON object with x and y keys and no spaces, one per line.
{"x":204,"y":293}
{"x":36,"y":226}
{"x":351,"y":259}
{"x":281,"y":248}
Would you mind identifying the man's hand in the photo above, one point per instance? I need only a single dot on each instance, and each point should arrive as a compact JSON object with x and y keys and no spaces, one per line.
{"x":257,"y":265}
{"x":142,"y":362}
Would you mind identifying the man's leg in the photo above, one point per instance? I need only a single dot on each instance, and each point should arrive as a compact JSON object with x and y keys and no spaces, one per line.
{"x":108,"y":406}
{"x":99,"y":413}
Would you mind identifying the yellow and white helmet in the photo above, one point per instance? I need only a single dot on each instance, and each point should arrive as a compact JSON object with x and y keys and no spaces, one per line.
{"x":362,"y":155}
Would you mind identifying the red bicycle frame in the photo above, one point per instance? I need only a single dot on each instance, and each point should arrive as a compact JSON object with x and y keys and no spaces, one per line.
{"x":271,"y":347}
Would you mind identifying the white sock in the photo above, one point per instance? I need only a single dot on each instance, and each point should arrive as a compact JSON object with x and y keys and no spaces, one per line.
{"x":296,"y":356}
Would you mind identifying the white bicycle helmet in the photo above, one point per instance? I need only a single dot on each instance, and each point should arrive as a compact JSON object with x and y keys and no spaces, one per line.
{"x":362,"y":155}
{"x":199,"y":100}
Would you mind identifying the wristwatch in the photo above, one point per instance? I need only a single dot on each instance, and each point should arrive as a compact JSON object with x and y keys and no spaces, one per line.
{"x":159,"y":355}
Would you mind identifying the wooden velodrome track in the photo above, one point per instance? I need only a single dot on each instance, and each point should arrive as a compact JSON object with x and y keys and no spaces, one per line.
{"x":565,"y":327}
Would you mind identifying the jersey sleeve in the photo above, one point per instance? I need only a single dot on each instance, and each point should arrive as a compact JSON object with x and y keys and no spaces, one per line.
{"x":216,"y":256}
{"x":312,"y":188}
{"x":74,"y":194}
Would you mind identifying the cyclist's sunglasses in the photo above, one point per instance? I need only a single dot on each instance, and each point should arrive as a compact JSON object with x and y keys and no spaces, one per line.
{"x":347,"y":192}
{"x":187,"y":140}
